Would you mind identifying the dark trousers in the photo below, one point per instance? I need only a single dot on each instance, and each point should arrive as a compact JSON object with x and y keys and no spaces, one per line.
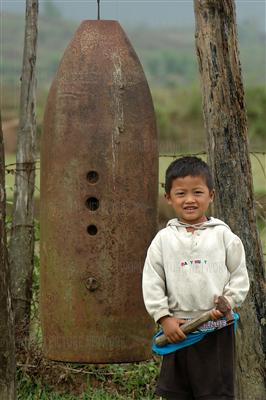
{"x":203,"y":371}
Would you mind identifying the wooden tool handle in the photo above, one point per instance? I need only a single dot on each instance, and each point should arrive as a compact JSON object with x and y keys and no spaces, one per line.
{"x":187,"y":327}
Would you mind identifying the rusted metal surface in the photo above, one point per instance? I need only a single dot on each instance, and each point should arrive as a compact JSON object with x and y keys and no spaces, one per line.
{"x":99,"y":174}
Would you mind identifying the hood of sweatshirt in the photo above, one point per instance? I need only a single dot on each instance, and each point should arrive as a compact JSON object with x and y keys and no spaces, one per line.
{"x":202,"y":225}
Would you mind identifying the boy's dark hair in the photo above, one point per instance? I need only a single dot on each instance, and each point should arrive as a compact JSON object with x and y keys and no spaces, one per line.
{"x":185,"y":166}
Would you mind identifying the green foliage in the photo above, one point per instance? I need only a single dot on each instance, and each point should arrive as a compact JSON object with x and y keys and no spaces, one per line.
{"x":50,"y":10}
{"x":180,"y":120}
{"x":256,"y":106}
{"x":110,"y":382}
{"x":168,"y":55}
{"x":35,"y":322}
{"x":178,"y":110}
{"x":169,"y":60}
{"x":165,"y":67}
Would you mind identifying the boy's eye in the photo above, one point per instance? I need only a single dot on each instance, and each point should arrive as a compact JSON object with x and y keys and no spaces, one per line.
{"x":180,"y":194}
{"x":198,"y":192}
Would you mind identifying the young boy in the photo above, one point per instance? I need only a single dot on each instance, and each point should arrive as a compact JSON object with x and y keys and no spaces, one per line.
{"x":189,"y":263}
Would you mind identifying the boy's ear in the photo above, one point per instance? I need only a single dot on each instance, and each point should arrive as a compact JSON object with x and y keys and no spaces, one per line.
{"x":212,"y":195}
{"x":167,"y":197}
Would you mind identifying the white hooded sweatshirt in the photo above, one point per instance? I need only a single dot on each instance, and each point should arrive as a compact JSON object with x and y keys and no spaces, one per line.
{"x":184,"y":271}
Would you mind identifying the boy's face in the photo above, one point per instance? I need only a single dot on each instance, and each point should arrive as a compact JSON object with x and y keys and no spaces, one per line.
{"x":190,"y":198}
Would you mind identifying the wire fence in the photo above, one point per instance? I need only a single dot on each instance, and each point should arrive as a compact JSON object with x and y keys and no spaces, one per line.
{"x":12,"y":170}
{"x":259,"y":177}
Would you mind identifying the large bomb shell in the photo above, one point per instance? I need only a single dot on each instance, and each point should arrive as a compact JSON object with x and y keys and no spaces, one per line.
{"x":99,"y":182}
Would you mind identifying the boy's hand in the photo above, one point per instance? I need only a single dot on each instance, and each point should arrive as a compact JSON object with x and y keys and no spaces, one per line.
{"x":171,"y":328}
{"x":216,"y":314}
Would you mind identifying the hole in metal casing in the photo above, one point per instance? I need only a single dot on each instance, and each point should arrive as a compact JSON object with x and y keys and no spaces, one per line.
{"x":92,"y":176}
{"x":92,"y":203}
{"x":92,"y":230}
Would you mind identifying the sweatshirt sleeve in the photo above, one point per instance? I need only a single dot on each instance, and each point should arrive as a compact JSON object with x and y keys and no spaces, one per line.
{"x":153,"y":283}
{"x":238,"y":285}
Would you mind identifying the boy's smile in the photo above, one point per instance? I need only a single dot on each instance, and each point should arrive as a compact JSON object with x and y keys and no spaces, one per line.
{"x":190,"y":198}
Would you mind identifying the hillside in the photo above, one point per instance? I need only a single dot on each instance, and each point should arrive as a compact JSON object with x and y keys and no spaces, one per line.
{"x":169,"y":61}
{"x":168,"y":55}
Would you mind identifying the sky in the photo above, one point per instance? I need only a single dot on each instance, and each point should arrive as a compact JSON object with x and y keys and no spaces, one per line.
{"x":157,"y":13}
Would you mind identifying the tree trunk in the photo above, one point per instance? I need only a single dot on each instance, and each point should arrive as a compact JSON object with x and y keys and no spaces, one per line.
{"x":7,"y":345}
{"x":226,"y":126}
{"x":21,"y":248}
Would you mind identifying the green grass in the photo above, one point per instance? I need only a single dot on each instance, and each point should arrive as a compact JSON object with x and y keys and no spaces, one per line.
{"x":258,"y":164}
{"x":110,"y":382}
{"x":42,"y":393}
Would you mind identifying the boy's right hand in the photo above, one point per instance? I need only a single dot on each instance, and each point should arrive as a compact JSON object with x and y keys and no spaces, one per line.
{"x":171,"y":328}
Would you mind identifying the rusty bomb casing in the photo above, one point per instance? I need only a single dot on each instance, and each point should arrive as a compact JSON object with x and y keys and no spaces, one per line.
{"x":99,"y":182}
